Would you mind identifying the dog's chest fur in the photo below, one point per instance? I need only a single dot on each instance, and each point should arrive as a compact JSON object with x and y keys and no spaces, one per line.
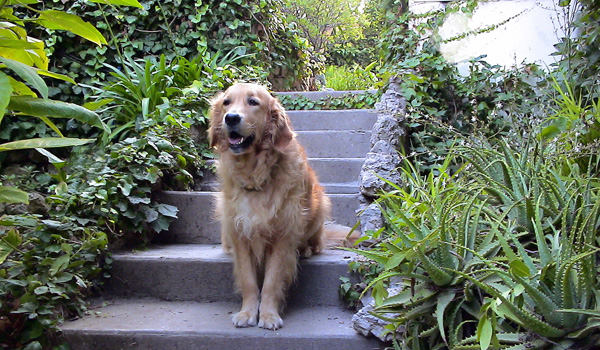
{"x":260,"y":197}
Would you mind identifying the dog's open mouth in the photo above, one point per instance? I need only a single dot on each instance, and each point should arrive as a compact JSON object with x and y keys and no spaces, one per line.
{"x":238,"y":143}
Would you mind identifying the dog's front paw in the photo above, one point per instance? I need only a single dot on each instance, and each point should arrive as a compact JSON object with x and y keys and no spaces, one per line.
{"x":227,"y":249}
{"x":306,"y":253}
{"x":270,"y":321}
{"x":244,"y":319}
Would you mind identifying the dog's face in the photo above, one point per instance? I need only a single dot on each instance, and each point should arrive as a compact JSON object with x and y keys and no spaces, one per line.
{"x":245,"y":117}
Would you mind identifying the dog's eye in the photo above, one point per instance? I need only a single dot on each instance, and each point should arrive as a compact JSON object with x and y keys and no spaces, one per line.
{"x":253,"y":102}
{"x":227,"y":102}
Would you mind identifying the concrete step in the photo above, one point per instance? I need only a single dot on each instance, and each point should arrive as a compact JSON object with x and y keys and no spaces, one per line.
{"x":350,"y":119}
{"x":195,"y":223}
{"x":330,"y":188}
{"x":160,"y":325}
{"x":335,"y":143}
{"x":337,"y":175}
{"x":198,"y":272}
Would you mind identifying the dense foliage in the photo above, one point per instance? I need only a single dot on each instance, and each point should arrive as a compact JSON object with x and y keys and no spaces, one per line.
{"x":490,"y":99}
{"x":325,"y":22}
{"x":491,"y":239}
{"x":60,"y":211}
{"x":182,"y":28}
{"x":577,"y":118}
{"x":48,"y":262}
{"x":340,"y":34}
{"x":364,"y":100}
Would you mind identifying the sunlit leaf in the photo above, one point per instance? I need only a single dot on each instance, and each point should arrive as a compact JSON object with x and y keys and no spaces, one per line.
{"x":53,"y":19}
{"x":28,"y":74}
{"x":8,"y":243}
{"x":56,"y":109}
{"x":56,"y":76}
{"x":13,"y":195}
{"x":5,"y":91}
{"x":46,"y":142}
{"x":133,"y":3}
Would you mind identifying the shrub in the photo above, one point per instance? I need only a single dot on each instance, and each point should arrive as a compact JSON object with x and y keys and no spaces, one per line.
{"x":355,"y":78}
{"x":442,"y":104}
{"x":365,"y":100}
{"x":48,"y":266}
{"x":501,"y":253}
{"x":48,"y":262}
{"x":182,"y":29}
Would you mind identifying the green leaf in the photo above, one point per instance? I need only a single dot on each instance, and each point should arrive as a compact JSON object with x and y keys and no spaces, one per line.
{"x":52,"y":125}
{"x":44,"y":142}
{"x":443,"y":301}
{"x":381,"y":258}
{"x":28,"y":74}
{"x":549,"y":132}
{"x":5,"y":91}
{"x":95,"y":105}
{"x":13,"y":195}
{"x":56,"y":76}
{"x":133,"y":3}
{"x":168,"y":210}
{"x":20,"y":88}
{"x":485,"y":331}
{"x":595,"y":313}
{"x":519,"y":268}
{"x":57,"y":109}
{"x":17,"y":44}
{"x":59,"y":264}
{"x":41,"y":290}
{"x":518,"y":314}
{"x":9,"y":243}
{"x":51,"y":157}
{"x":53,"y":19}
{"x":438,"y":276}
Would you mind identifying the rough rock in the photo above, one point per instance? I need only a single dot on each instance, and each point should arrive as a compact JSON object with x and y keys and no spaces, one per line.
{"x":370,"y":217}
{"x":377,"y":167}
{"x":366,"y":324}
{"x":37,"y":205}
{"x":384,"y":158}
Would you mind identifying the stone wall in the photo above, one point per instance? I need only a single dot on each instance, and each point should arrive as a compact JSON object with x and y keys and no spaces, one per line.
{"x":388,"y":140}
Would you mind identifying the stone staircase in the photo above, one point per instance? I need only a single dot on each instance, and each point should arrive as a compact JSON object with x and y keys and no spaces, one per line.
{"x":178,"y":294}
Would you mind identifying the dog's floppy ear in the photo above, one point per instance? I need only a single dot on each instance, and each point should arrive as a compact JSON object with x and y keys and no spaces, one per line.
{"x":281,"y":129}
{"x":216,"y":112}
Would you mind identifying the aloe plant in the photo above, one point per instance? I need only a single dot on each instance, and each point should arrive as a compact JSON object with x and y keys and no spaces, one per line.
{"x":501,"y":254}
{"x":433,"y":234}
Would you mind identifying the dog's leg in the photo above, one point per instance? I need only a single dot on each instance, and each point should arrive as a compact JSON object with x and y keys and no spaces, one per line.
{"x":226,"y":238}
{"x":247,"y":283}
{"x":279,"y":273}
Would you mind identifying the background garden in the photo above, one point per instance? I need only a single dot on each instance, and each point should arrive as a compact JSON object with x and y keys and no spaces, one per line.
{"x":493,"y":234}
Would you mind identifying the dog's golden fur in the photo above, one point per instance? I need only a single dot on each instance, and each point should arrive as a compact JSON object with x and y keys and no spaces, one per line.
{"x":271,"y":206}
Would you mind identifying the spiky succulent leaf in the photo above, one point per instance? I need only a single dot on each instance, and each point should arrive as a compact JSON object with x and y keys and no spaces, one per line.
{"x":519,"y":315}
{"x":437,"y":274}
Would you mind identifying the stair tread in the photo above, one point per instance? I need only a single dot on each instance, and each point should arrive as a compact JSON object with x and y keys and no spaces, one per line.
{"x":211,"y":318}
{"x":214,"y":252}
{"x":349,"y":187}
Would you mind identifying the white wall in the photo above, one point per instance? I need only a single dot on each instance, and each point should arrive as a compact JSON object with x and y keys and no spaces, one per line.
{"x":533,"y":27}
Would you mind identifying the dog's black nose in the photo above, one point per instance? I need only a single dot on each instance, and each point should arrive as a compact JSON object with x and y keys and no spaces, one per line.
{"x":232,"y":119}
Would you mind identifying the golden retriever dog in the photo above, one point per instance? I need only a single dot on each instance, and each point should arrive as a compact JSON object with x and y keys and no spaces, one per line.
{"x":271,"y":207}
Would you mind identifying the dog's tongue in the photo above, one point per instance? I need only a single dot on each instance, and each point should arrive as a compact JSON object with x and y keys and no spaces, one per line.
{"x":235,"y":140}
